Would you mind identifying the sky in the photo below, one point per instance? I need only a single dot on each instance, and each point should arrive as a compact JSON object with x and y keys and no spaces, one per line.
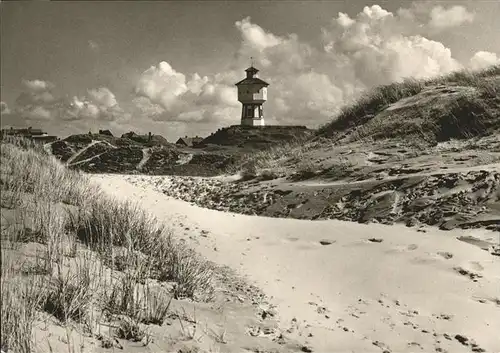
{"x":169,"y":67}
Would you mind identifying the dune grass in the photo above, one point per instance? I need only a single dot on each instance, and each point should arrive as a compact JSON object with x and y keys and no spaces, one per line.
{"x":20,"y":301}
{"x":93,"y":253}
{"x":275,"y":161}
{"x":379,"y":98}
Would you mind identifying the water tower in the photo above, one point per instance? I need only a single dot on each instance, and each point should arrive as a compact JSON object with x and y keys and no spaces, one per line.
{"x":252,"y":93}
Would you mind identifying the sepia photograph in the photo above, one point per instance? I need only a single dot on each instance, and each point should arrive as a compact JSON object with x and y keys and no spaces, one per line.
{"x":238,"y":176}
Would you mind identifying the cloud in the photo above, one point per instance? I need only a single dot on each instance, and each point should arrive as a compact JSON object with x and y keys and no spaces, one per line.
{"x":431,"y":20}
{"x":376,"y":51}
{"x":81,"y":108}
{"x":166,"y":95}
{"x":37,"y":105}
{"x":483,"y":59}
{"x":36,"y":92}
{"x":38,"y":85}
{"x":38,"y":113}
{"x":103,"y":97}
{"x":308,"y":84}
{"x":101,"y":104}
{"x":4,"y":108}
{"x":255,"y":36}
{"x":161,"y":84}
{"x":453,"y":16}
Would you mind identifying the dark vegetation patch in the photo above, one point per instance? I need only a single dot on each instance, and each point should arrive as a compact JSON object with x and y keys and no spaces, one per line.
{"x":252,"y":138}
{"x":92,"y":151}
{"x":115,"y":160}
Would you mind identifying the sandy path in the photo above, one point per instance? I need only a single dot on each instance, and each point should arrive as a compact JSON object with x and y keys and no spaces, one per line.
{"x":73,"y":157}
{"x":146,"y":153}
{"x":412,"y":292}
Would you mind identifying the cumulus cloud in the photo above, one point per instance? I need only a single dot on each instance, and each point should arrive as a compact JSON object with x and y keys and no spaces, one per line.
{"x":80,"y":108}
{"x":100,"y":104}
{"x":483,"y":59}
{"x":161,"y":84}
{"x":453,"y":16}
{"x":376,"y":52}
{"x":255,"y":36}
{"x":4,"y":108}
{"x":38,"y":85}
{"x":37,"y":105}
{"x":103,"y":97}
{"x":38,"y":113}
{"x":36,"y":101}
{"x":36,"y":92}
{"x":168,"y":95}
{"x":308,"y":84}
{"x":431,"y":20}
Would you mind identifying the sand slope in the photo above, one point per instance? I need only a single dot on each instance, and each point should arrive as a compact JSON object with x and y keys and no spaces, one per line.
{"x":403,"y":291}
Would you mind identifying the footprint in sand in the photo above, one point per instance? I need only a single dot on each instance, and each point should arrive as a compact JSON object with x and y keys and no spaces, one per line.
{"x":382,"y":346}
{"x":484,"y":300}
{"x":322,"y":310}
{"x":401,"y":249}
{"x":472,"y":275}
{"x":445,"y":254}
{"x":327,"y":241}
{"x":412,"y":247}
{"x":423,"y":260}
{"x":447,"y":317}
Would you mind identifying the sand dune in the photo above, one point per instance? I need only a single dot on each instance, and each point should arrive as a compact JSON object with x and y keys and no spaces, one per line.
{"x":347,"y":287}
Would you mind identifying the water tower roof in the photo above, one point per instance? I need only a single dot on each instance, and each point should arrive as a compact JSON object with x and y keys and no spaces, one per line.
{"x":252,"y":69}
{"x":252,"y":80}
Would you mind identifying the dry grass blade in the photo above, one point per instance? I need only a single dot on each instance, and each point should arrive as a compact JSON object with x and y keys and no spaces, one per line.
{"x":20,"y":299}
{"x":157,"y":306}
{"x":70,"y":294}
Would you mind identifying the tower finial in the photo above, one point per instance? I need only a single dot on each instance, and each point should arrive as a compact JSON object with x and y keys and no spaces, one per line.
{"x":251,"y":61}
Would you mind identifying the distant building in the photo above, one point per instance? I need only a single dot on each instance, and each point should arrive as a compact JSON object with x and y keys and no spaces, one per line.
{"x":252,"y":93}
{"x":30,"y":133}
{"x":105,"y":132}
{"x":25,"y":132}
{"x":189,"y":141}
{"x":44,"y":138}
